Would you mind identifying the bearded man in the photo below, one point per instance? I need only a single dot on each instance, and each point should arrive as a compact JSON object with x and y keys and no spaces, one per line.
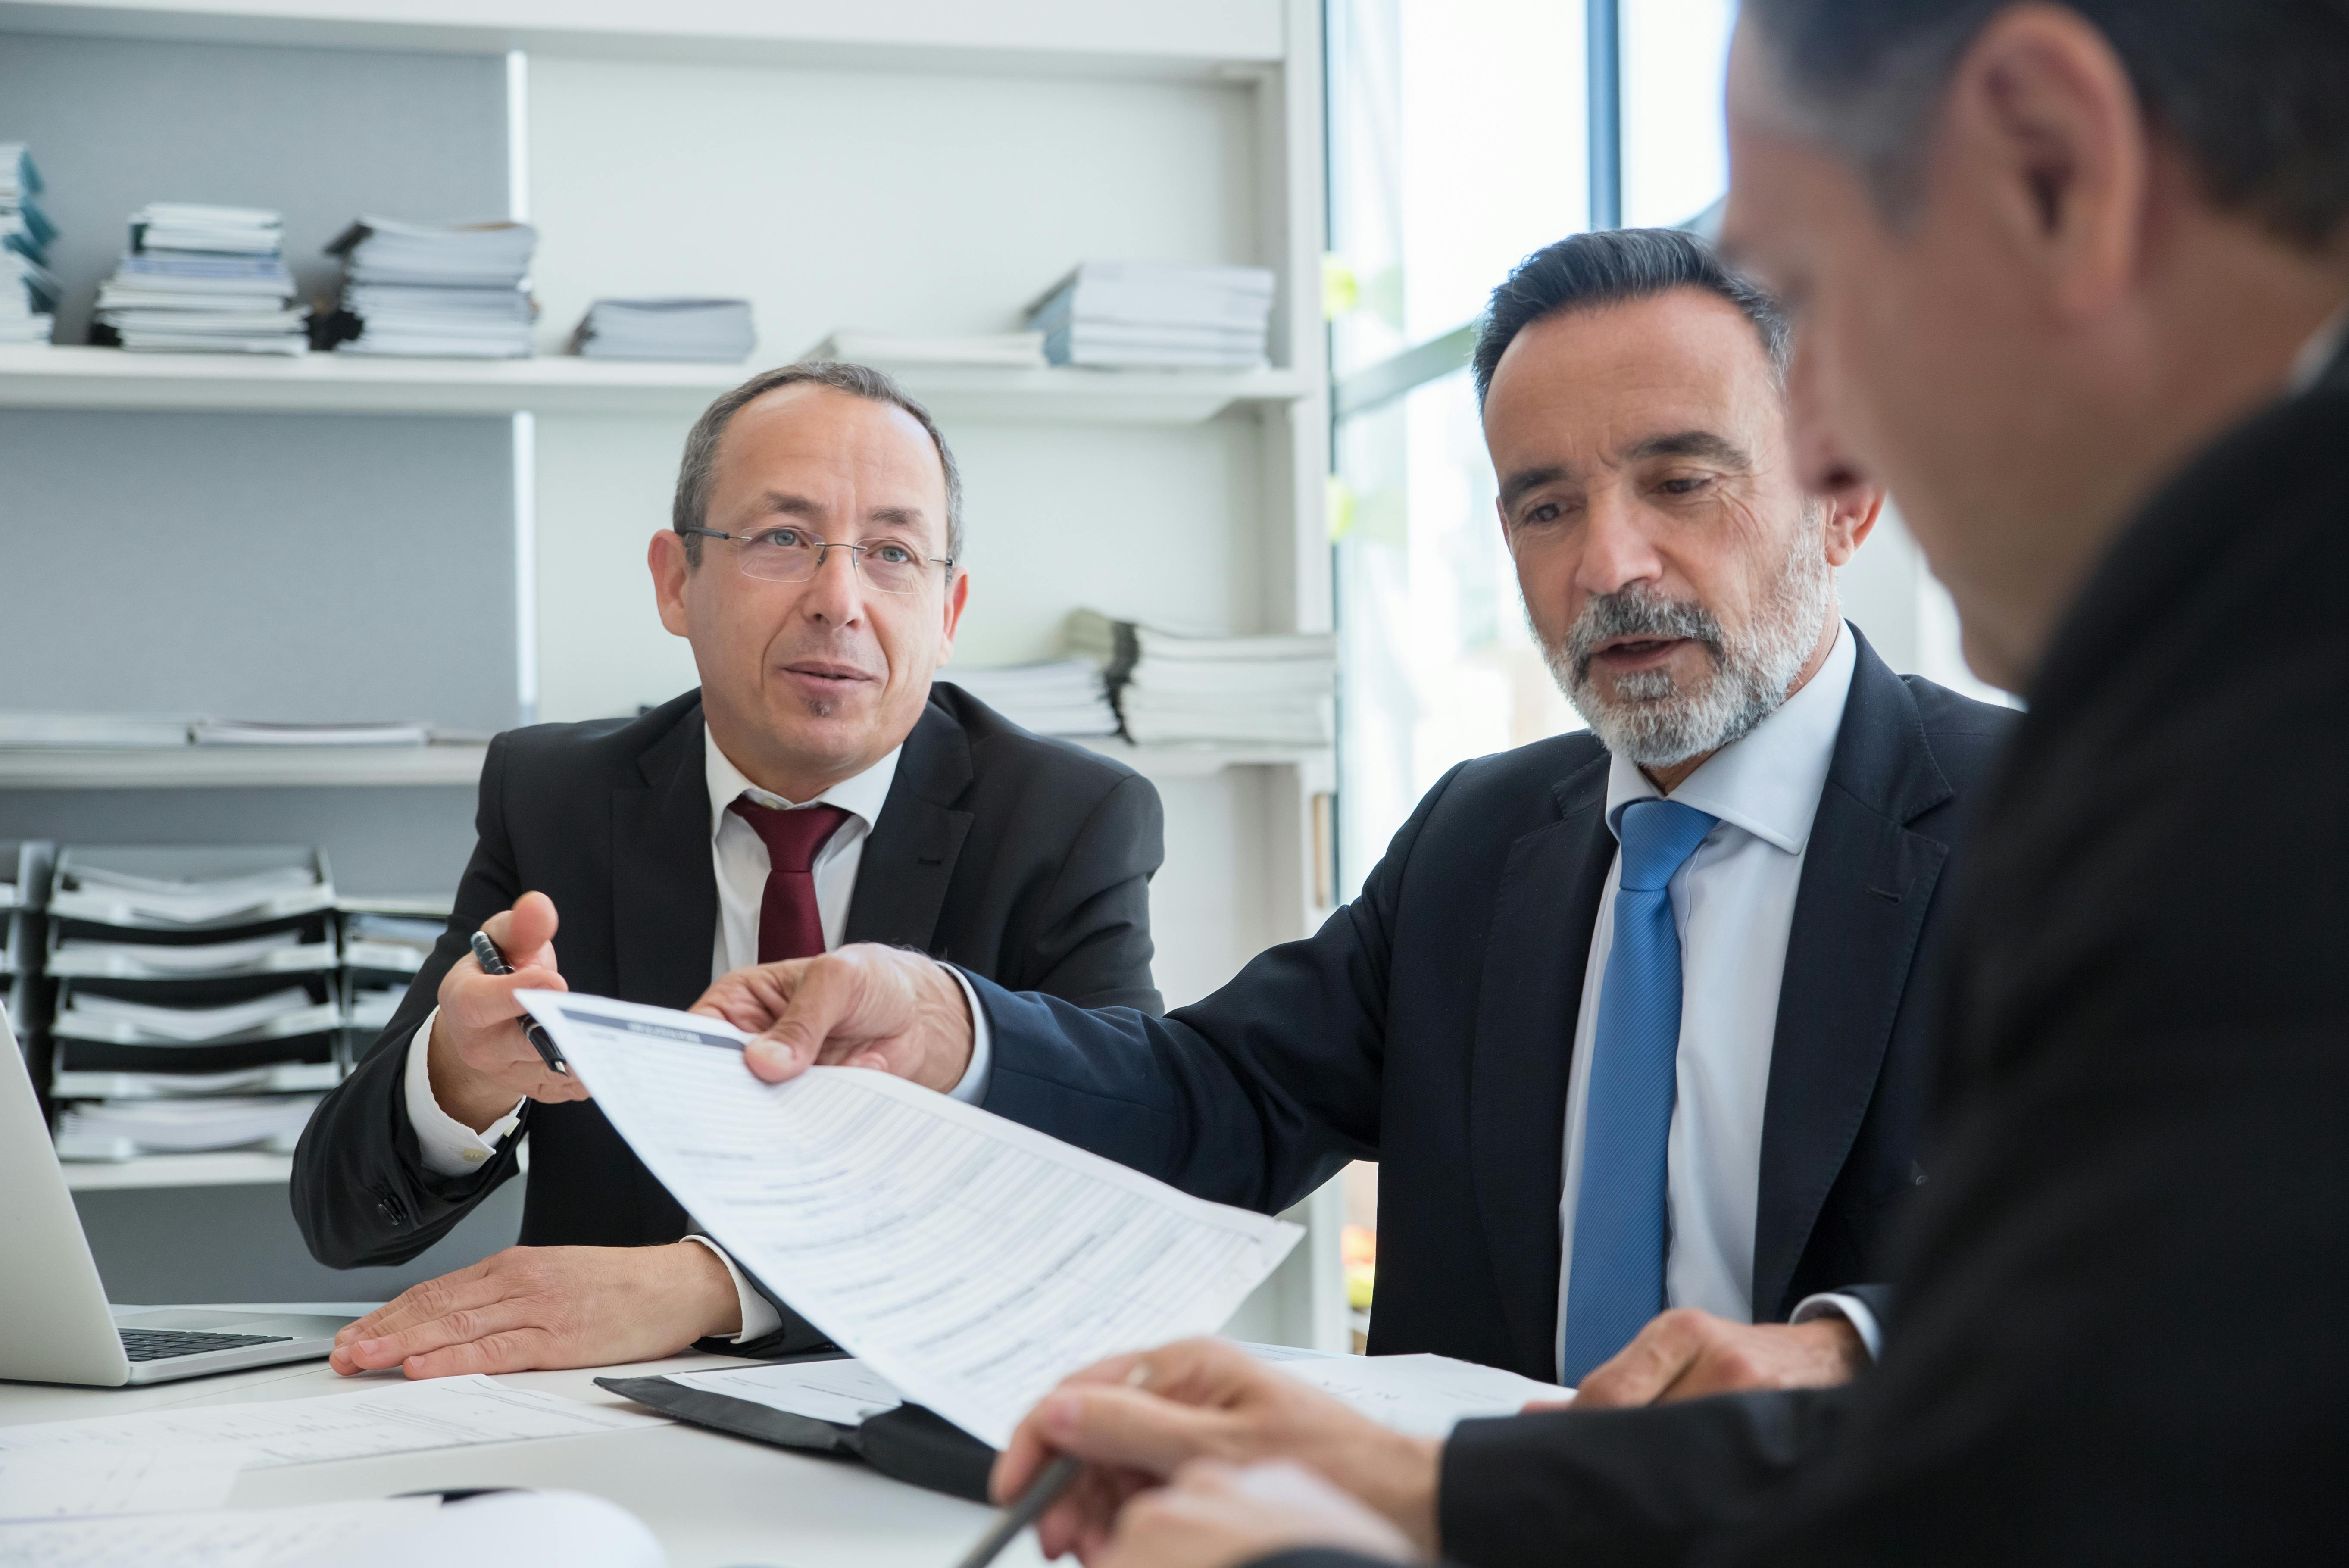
{"x":1633,"y":1021}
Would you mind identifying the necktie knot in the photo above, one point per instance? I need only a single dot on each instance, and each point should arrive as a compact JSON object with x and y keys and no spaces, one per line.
{"x":1658,"y":837}
{"x":795,"y":837}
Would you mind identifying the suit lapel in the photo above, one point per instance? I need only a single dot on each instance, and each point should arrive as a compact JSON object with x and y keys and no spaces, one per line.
{"x":1866,"y":882}
{"x":664,"y":886}
{"x":909,"y":857}
{"x":1534,"y":957}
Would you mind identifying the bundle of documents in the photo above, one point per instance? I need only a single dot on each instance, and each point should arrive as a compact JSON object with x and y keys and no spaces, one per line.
{"x":208,"y":279}
{"x":1060,"y":697}
{"x":457,"y":291}
{"x":717,"y":330}
{"x":1158,"y":316}
{"x":1172,"y":688}
{"x":254,"y":732}
{"x":205,"y":977}
{"x":394,"y":944}
{"x":992,"y":350}
{"x":29,"y":293}
{"x":126,"y":1130}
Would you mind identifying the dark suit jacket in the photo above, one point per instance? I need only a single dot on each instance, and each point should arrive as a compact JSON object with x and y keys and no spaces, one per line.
{"x":2119,"y":1338}
{"x":1012,"y":856}
{"x":1428,"y":1025}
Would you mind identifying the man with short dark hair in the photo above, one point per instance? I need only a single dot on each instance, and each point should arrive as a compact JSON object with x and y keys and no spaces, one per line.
{"x":817,"y":788}
{"x":1629,"y":1018}
{"x":2074,"y":279}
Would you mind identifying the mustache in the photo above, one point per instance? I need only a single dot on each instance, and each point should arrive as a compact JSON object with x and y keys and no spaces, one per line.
{"x":1633,"y":614}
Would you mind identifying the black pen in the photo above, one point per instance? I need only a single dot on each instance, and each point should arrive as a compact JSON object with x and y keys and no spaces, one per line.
{"x":494,"y":962}
{"x":1041,"y":1493}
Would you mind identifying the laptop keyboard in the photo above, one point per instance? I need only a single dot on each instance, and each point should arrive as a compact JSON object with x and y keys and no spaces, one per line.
{"x":162,"y":1343}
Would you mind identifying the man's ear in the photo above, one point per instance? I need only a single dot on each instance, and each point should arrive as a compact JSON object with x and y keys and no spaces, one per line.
{"x":665,"y":556}
{"x":1851,"y":518}
{"x":2043,"y":122}
{"x":957,"y":600}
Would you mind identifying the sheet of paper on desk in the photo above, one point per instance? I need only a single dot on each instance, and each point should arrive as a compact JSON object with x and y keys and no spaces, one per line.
{"x":847,"y":1392}
{"x":971,"y":1262}
{"x":1425,"y":1396}
{"x":219,"y":1538}
{"x":391,"y":1418}
{"x":36,"y":1485}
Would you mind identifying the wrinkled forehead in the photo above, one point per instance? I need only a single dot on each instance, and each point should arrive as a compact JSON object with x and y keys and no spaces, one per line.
{"x":837,"y":452}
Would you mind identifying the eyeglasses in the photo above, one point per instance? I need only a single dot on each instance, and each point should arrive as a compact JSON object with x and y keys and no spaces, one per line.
{"x":794,"y":555}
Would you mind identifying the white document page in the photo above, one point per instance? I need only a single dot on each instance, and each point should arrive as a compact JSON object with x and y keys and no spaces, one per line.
{"x":971,"y":1262}
{"x":401,"y":1417}
{"x":115,"y":1480}
{"x":842,"y":1391}
{"x":1425,"y":1396}
{"x":220,"y":1538}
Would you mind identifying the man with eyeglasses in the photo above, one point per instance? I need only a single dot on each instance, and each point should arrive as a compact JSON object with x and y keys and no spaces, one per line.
{"x":817,"y":788}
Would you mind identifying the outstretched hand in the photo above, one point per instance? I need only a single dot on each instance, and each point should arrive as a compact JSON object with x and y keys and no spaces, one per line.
{"x":865,"y":1006}
{"x":480,"y":1062}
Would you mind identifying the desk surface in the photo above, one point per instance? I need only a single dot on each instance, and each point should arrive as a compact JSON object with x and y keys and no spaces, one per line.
{"x":714,"y":1501}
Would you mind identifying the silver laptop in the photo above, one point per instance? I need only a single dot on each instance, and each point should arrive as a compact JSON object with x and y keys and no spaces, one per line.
{"x":54,"y":1324}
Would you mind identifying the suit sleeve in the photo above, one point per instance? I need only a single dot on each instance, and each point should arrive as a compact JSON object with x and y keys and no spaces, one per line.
{"x":1254,"y":1097}
{"x":1092,"y":945}
{"x":361,"y":1193}
{"x":1608,"y":1487}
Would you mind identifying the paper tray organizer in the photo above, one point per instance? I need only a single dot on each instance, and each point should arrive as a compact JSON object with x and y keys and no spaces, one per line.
{"x":907,"y":1443}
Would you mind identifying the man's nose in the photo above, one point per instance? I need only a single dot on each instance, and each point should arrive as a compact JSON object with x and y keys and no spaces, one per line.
{"x":835,"y":593}
{"x":1616,"y":549}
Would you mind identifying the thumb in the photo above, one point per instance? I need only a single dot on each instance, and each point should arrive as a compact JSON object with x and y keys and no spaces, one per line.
{"x":1129,"y":1428}
{"x":818,"y":1006}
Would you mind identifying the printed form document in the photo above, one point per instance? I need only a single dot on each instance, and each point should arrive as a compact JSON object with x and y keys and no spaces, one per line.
{"x":969,"y":1262}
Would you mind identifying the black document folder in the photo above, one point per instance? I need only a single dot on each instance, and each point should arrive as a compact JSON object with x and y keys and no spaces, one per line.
{"x":908,"y":1444}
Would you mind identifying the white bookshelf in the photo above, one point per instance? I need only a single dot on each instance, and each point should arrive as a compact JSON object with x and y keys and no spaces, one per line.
{"x":301,"y":767}
{"x":238,"y":1168}
{"x":76,"y":377}
{"x":941,"y":163}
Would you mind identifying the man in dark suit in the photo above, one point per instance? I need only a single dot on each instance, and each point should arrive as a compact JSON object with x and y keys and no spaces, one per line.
{"x":2077,"y":286}
{"x":818,"y":789}
{"x":1600,"y":1082}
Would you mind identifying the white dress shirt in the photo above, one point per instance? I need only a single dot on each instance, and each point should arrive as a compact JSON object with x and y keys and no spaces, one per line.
{"x":738,"y":856}
{"x":1733,"y":902}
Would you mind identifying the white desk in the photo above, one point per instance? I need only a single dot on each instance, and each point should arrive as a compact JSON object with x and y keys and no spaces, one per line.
{"x":714,"y":1501}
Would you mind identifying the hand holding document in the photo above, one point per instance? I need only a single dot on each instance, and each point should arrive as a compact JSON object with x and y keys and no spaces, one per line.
{"x":970,"y":1262}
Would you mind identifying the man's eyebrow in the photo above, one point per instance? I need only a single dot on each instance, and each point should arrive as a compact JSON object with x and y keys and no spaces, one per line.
{"x":1690,"y":444}
{"x":1525,"y":480}
{"x":789,"y":505}
{"x":898,"y":516}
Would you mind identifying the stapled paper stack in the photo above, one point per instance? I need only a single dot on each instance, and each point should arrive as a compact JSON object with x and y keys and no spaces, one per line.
{"x":1060,"y":697}
{"x":1157,"y":315}
{"x":196,"y":998}
{"x":1172,"y":688}
{"x":459,"y":291}
{"x":203,"y":279}
{"x":29,"y":293}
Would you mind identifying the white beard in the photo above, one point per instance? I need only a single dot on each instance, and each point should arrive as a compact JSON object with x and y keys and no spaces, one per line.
{"x":1649,"y":720}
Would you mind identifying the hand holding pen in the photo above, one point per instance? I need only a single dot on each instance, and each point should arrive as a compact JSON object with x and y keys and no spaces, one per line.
{"x":483,"y":1060}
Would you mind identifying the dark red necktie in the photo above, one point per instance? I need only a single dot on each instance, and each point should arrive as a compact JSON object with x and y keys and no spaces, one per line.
{"x":789,"y":924}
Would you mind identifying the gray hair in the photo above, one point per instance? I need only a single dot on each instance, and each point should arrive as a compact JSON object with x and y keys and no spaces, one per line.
{"x":700,"y":467}
{"x":1612,"y":266}
{"x":2255,"y":91}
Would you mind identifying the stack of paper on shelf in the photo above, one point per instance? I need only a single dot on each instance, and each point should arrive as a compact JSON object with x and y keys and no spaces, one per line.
{"x":382,"y":950}
{"x":254,"y":732}
{"x":715,"y":330}
{"x":90,"y":731}
{"x":124,"y":1131}
{"x":203,"y":278}
{"x":201,"y":976}
{"x":1060,"y":697}
{"x":1157,"y":315}
{"x":989,"y":350}
{"x":1173,"y":688}
{"x":29,"y":293}
{"x":457,"y":291}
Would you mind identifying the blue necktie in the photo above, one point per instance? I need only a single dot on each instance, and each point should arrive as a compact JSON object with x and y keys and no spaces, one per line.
{"x":1619,"y":1223}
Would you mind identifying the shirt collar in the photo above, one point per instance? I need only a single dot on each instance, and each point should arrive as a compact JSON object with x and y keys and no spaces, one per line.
{"x":2317,"y":355}
{"x":1769,"y":783}
{"x":860,"y":796}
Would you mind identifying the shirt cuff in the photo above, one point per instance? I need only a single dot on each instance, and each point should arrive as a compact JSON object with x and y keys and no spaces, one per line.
{"x":449,"y":1147}
{"x":759,"y":1318}
{"x":1852,"y":1310}
{"x":972,"y":1086}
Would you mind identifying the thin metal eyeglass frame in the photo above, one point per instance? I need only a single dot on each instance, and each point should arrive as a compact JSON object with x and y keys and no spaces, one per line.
{"x":822,"y":548}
